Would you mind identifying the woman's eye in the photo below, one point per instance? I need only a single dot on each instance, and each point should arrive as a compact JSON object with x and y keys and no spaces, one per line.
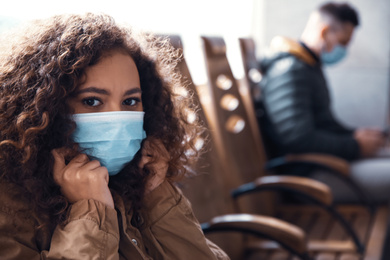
{"x":131,"y":101}
{"x":92,"y":102}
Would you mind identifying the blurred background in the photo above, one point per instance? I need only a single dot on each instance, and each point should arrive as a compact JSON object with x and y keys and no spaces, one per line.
{"x":359,"y":84}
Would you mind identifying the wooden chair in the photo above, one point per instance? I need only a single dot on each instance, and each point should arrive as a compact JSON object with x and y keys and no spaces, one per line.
{"x":208,"y":192}
{"x":329,"y":235}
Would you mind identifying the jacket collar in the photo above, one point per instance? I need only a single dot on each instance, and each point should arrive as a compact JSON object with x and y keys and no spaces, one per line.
{"x":284,"y":44}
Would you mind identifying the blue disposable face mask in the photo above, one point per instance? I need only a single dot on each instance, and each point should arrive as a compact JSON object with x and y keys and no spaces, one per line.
{"x":112,"y":138}
{"x":334,"y":56}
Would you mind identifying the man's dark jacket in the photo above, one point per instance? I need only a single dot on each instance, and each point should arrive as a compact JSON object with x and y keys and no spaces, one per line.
{"x":295,"y":98}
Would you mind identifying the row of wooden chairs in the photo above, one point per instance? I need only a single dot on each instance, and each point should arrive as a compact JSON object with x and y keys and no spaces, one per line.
{"x":262,"y":225}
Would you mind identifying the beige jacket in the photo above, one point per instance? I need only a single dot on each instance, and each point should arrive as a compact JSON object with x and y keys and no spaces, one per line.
{"x":168,"y":230}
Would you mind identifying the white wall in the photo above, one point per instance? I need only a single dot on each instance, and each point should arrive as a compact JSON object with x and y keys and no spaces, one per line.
{"x":190,"y":19}
{"x":359,"y":84}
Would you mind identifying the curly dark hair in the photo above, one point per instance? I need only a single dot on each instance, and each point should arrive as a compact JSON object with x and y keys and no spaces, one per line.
{"x":43,"y":65}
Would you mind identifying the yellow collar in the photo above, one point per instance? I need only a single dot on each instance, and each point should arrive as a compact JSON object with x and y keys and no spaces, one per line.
{"x":283,"y":44}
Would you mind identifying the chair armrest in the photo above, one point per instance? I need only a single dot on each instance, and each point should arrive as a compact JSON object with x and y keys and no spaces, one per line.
{"x":326,"y":161}
{"x":337,"y":166}
{"x":314,"y":191}
{"x":305,"y":186}
{"x":287,"y":235}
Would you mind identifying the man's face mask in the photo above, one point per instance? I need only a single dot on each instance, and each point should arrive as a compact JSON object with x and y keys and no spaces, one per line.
{"x":338,"y":35}
{"x":112,"y":138}
{"x":335,"y":55}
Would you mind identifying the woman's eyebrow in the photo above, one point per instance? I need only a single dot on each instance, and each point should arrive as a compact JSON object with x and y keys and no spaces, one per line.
{"x":93,"y":90}
{"x":105,"y":92}
{"x":133,"y":91}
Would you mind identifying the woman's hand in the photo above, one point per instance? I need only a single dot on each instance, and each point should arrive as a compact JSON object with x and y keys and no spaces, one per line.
{"x":82,"y":179}
{"x":154,"y":151}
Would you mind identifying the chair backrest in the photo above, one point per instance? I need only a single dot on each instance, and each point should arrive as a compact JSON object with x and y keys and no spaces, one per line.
{"x":249,"y":87}
{"x":240,"y":146}
{"x":206,"y":189}
{"x":213,"y":199}
{"x":252,"y":79}
{"x":251,"y":65}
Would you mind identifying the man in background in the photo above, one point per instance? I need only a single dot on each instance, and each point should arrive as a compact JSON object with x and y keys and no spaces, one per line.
{"x":296,"y":102}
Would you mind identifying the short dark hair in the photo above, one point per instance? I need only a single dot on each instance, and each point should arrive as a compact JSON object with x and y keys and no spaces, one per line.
{"x":342,"y":12}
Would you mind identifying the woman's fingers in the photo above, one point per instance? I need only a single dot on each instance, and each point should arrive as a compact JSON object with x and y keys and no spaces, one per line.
{"x":144,"y":160}
{"x":156,"y":157}
{"x":80,"y":159}
{"x":60,"y":169}
{"x":82,"y":178}
{"x":95,"y":167}
{"x":153,"y":182}
{"x":59,"y":160}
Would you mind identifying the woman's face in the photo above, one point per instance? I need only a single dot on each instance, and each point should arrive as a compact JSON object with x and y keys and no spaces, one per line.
{"x":111,"y":85}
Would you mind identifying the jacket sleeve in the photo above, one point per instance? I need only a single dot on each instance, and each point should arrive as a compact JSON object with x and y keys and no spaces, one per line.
{"x":91,"y":232}
{"x":288,"y":102}
{"x":171,"y":230}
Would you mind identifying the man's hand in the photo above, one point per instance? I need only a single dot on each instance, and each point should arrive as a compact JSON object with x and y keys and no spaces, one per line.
{"x":155,"y":153}
{"x":369,"y":140}
{"x":82,"y":179}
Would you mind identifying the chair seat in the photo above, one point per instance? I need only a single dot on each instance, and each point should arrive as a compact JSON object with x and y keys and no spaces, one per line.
{"x":327,"y":240}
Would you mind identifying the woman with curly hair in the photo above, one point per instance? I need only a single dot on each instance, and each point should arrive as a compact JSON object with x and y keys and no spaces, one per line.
{"x":92,"y":137}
